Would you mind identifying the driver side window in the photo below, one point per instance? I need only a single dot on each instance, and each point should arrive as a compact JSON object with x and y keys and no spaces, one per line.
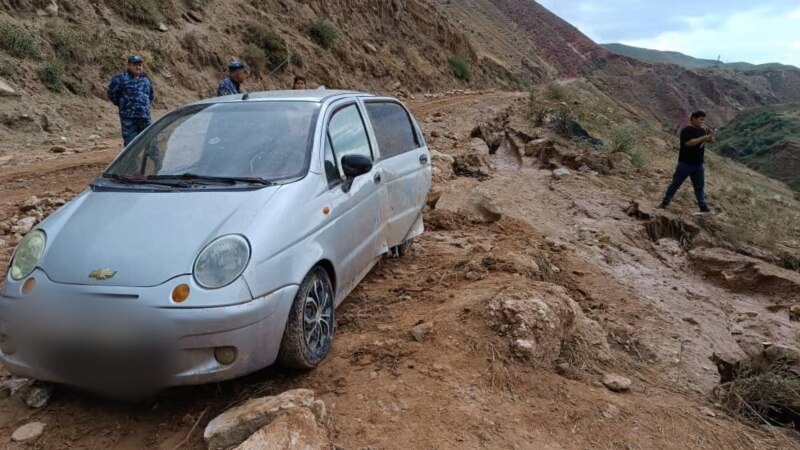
{"x":346,"y":136}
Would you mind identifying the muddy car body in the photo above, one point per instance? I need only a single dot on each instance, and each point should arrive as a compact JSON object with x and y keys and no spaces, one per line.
{"x":220,"y":241}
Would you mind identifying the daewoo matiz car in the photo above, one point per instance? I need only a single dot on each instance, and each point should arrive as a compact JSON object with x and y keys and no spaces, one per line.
{"x":218,"y":242}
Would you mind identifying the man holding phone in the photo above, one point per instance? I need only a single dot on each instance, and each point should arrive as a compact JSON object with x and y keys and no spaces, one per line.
{"x":690,"y":161}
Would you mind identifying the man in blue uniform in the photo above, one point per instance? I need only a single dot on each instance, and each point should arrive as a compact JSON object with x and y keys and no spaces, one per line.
{"x":690,"y":161}
{"x":237,"y":74}
{"x":132,"y":92}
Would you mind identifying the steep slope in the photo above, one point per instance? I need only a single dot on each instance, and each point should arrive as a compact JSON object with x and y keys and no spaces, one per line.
{"x":686,"y":61}
{"x":767,"y":140}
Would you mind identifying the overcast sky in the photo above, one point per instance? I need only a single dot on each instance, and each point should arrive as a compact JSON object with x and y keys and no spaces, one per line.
{"x":738,"y":30}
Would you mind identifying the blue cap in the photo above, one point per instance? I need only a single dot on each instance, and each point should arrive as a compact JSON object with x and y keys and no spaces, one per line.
{"x":236,"y":66}
{"x":135,"y":59}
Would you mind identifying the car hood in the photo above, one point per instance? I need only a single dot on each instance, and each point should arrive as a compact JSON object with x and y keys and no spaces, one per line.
{"x":147,"y":238}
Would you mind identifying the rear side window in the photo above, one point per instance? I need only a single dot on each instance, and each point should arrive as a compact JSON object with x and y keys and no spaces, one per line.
{"x":393,"y":129}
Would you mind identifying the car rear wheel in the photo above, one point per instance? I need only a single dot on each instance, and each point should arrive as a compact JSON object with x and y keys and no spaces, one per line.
{"x":308,"y":336}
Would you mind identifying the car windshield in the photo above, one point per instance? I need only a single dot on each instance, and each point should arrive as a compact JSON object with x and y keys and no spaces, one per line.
{"x":223,"y":142}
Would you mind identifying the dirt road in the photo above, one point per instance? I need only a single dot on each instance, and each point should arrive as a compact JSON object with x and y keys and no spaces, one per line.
{"x":461,"y":387}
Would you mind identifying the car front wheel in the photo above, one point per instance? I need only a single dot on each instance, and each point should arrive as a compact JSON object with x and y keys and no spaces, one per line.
{"x":308,"y":336}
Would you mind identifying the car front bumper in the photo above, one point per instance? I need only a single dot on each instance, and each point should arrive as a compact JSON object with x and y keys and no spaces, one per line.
{"x":182,"y":339}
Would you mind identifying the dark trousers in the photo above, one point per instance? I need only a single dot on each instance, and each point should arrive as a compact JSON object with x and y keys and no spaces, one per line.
{"x":698,"y":175}
{"x":131,"y":127}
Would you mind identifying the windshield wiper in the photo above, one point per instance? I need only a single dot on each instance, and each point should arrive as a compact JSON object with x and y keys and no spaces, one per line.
{"x":125,"y":179}
{"x":195,"y":178}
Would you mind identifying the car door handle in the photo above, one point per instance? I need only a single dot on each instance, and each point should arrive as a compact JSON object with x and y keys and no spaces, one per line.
{"x":423,"y":159}
{"x":377,"y":178}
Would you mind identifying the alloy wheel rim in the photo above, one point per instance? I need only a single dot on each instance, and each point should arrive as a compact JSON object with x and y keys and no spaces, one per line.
{"x":317,"y":317}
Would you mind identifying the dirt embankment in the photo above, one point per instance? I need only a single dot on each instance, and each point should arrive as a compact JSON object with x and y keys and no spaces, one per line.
{"x":528,"y":301}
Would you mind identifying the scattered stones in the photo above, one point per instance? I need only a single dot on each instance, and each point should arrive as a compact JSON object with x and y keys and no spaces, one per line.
{"x":6,"y":90}
{"x":616,"y":383}
{"x":611,"y":411}
{"x":421,"y":331}
{"x":435,"y":134}
{"x":24,"y":225}
{"x":621,"y":162}
{"x":561,"y":173}
{"x":52,"y":8}
{"x":162,"y":28}
{"x":57,"y":149}
{"x":478,"y":146}
{"x":475,"y":205}
{"x":536,"y":146}
{"x":39,"y":395}
{"x":443,"y":157}
{"x":197,"y":16}
{"x":5,"y":228}
{"x":370,"y":48}
{"x":28,"y":432}
{"x":706,"y":411}
{"x":794,"y":310}
{"x":235,"y":425}
{"x":523,"y":348}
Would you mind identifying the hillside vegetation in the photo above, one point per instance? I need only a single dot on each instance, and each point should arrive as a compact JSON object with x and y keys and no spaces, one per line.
{"x":767,"y":140}
{"x":689,"y":62}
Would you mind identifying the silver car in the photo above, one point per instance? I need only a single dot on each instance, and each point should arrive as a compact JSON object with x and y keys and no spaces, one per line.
{"x":218,"y":242}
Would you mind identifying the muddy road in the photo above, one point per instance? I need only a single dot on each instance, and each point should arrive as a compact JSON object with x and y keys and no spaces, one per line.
{"x":461,"y":387}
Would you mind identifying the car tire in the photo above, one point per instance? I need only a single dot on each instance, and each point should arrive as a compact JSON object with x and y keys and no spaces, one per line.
{"x":308,"y":336}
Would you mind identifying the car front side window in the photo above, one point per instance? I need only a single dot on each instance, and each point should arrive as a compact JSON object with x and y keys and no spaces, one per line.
{"x":347,"y":135}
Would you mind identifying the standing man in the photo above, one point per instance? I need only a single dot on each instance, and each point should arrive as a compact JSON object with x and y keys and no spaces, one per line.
{"x":237,"y":74}
{"x":132,"y":92}
{"x":299,"y":82}
{"x":690,"y":161}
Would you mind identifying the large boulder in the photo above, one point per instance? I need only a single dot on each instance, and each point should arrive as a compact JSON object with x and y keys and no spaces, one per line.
{"x":296,"y":429}
{"x":537,"y":146}
{"x":543,"y":324}
{"x":235,"y":425}
{"x":475,"y":204}
{"x":473,"y":164}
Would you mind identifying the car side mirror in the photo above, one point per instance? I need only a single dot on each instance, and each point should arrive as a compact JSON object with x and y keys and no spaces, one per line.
{"x":355,"y":165}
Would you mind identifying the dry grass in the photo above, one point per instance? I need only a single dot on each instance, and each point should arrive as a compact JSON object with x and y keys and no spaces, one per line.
{"x":764,"y":395}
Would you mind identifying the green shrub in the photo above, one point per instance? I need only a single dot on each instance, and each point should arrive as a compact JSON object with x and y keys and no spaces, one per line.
{"x":556,"y":92}
{"x":18,"y":42}
{"x":273,"y":45}
{"x":146,"y":12}
{"x":199,"y":52}
{"x":563,"y":121}
{"x":52,"y":75}
{"x":69,"y":44}
{"x":460,"y":68}
{"x":625,"y":139}
{"x":324,"y":34}
{"x":255,"y":58}
{"x":76,"y":86}
{"x":158,"y":57}
{"x":297,"y":60}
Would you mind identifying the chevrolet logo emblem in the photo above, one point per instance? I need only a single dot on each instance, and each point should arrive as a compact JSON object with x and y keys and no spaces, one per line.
{"x":102,"y":274}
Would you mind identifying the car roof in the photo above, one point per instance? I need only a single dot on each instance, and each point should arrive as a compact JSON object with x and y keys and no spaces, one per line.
{"x":307,"y":95}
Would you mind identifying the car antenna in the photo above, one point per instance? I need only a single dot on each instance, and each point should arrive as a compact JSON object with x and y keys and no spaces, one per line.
{"x":246,"y":96}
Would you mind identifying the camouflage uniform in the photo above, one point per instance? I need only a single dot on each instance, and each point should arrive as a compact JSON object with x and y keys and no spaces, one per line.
{"x":228,"y":87}
{"x":134,"y":97}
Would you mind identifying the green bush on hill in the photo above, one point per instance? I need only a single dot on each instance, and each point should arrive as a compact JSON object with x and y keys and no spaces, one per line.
{"x":460,"y":68}
{"x":324,"y":34}
{"x":18,"y":42}
{"x":270,"y":41}
{"x":52,"y":75}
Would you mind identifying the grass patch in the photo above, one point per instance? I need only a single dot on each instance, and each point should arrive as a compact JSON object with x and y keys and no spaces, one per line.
{"x":200,"y":55}
{"x":146,"y":12}
{"x":255,"y":58}
{"x":461,"y":68}
{"x":270,"y":41}
{"x":556,"y":92}
{"x":52,"y":76}
{"x":324,"y":34}
{"x":563,"y":121}
{"x":76,"y":87}
{"x":69,"y":44}
{"x":625,"y":139}
{"x":770,"y":394}
{"x":18,"y":42}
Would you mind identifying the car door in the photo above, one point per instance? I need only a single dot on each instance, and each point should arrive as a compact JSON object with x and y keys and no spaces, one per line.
{"x":405,"y":167}
{"x":356,"y":203}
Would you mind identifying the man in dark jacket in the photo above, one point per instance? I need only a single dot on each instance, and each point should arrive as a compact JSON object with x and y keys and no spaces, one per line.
{"x":690,"y":161}
{"x":237,"y":74}
{"x":132,"y":92}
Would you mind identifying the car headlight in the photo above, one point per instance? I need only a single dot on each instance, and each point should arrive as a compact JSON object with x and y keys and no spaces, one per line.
{"x":28,"y":254}
{"x":222,"y":261}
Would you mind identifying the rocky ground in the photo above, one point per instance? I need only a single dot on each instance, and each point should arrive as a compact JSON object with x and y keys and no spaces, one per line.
{"x":542,"y":309}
